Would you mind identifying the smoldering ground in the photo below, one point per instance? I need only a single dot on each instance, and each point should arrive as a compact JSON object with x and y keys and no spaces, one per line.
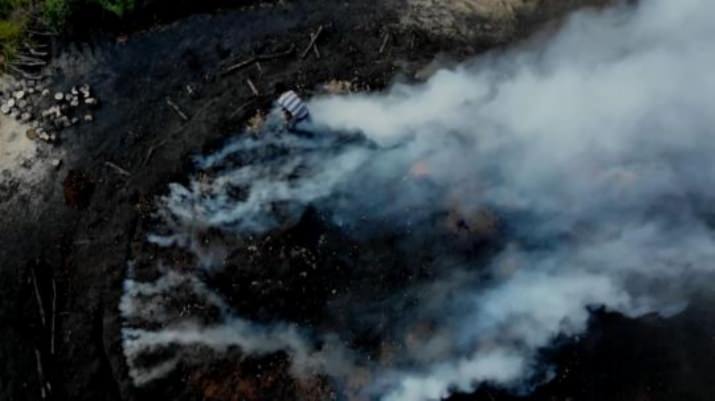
{"x":591,"y":150}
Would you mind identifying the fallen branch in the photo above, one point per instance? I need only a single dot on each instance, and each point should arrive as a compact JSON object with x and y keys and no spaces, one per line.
{"x":118,"y":169}
{"x":242,"y":107}
{"x":38,"y":297}
{"x":177,"y":109}
{"x":53,"y":322}
{"x":316,"y":51}
{"x":252,"y":86}
{"x":313,"y":39}
{"x":45,"y":387}
{"x":255,"y":59}
{"x":151,"y":151}
{"x":385,"y":41}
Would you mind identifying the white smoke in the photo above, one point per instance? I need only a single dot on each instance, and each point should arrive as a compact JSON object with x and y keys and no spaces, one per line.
{"x":594,"y":147}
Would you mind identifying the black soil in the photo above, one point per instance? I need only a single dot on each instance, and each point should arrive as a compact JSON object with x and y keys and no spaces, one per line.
{"x":79,"y":229}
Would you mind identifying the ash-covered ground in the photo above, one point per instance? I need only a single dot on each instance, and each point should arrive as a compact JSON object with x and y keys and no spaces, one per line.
{"x":72,"y":234}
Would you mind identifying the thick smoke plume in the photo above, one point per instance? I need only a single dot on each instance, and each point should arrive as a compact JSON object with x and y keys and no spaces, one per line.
{"x":594,"y":149}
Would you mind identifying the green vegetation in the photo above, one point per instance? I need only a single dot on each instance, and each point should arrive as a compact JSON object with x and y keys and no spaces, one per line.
{"x":15,"y":15}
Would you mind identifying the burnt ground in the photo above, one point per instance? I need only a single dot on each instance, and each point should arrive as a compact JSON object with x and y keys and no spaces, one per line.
{"x":78,"y":228}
